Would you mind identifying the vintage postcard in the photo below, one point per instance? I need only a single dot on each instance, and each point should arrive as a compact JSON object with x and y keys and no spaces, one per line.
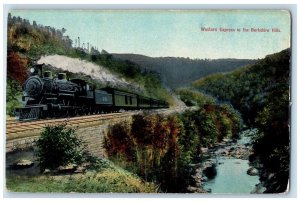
{"x":148,"y":101}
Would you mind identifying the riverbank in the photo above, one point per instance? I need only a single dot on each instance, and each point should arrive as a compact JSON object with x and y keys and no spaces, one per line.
{"x":225,"y":168}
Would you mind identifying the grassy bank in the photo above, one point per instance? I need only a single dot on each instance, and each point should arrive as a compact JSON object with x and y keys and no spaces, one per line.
{"x":106,"y":178}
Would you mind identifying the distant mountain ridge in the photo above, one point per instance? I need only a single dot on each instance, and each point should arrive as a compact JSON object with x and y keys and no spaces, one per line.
{"x":181,"y":72}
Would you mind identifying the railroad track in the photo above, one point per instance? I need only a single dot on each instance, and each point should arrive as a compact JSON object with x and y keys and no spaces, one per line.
{"x":15,"y":128}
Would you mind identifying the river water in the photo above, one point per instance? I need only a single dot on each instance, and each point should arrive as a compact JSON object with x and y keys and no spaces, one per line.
{"x":231,"y":175}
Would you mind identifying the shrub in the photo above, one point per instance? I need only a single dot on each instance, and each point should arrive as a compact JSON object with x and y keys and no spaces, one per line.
{"x":118,"y":141}
{"x":149,"y":146}
{"x":59,"y":146}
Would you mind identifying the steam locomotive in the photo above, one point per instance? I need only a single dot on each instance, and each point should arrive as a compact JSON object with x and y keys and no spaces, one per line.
{"x":47,"y":97}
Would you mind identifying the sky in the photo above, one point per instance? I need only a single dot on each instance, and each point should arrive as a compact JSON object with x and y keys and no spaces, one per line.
{"x":172,"y":33}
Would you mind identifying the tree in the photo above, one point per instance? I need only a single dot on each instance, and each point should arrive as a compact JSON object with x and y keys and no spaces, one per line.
{"x":34,"y":23}
{"x":63,"y":30}
{"x":17,"y":67}
{"x":59,"y":145}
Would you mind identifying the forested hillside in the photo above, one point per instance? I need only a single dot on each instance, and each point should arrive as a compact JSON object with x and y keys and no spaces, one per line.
{"x":261,"y":92}
{"x":27,"y":42}
{"x":181,"y":72}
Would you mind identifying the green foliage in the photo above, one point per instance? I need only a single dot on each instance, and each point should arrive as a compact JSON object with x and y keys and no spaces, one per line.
{"x":13,"y":96}
{"x":36,"y":40}
{"x":273,"y":147}
{"x":209,"y":125}
{"x":59,"y":145}
{"x":261,"y":93}
{"x":247,"y":89}
{"x":194,"y":98}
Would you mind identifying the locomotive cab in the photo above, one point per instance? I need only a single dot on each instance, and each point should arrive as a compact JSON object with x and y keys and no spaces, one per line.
{"x":85,"y":88}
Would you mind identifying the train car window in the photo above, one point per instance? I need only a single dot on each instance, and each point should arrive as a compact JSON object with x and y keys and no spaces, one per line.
{"x":104,"y":99}
{"x":130,"y":100}
{"x":126,"y":101}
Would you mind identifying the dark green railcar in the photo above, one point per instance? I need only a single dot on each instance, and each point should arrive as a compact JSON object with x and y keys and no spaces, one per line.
{"x":144,"y":102}
{"x":122,"y":99}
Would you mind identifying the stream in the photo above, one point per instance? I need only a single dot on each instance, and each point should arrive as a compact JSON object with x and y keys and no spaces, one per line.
{"x":227,"y":168}
{"x":232,"y":177}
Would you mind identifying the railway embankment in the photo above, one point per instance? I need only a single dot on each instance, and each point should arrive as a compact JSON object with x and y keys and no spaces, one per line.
{"x":21,"y":135}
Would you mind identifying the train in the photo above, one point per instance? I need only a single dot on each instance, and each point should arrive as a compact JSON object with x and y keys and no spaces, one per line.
{"x":48,"y":96}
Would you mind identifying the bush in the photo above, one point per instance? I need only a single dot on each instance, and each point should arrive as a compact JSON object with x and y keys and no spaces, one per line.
{"x":59,"y":146}
{"x":118,"y":141}
{"x":149,"y":146}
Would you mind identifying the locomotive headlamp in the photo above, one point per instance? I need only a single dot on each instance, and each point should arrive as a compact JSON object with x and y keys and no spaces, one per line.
{"x":32,"y":70}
